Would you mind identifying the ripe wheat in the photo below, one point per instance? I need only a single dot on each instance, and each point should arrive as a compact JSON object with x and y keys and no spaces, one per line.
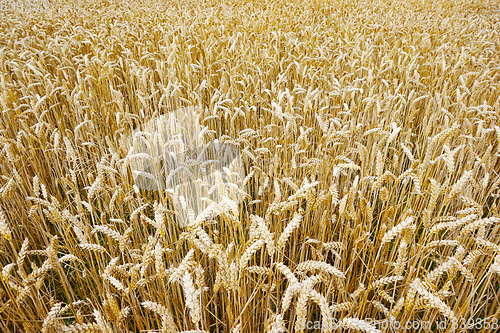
{"x":344,"y":168}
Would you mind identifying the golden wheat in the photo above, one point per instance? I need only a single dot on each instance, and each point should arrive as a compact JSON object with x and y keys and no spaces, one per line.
{"x":344,"y":167}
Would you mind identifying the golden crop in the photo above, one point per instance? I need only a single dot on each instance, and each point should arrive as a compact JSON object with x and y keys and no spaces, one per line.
{"x":369,"y":132}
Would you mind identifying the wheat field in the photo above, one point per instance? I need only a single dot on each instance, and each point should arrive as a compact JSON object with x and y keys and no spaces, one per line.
{"x":369,"y":136}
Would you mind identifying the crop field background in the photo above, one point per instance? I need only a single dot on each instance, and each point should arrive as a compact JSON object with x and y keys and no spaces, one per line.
{"x":369,"y":135}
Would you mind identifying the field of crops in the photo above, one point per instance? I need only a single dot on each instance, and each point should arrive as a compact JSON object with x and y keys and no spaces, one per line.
{"x":362,"y":186}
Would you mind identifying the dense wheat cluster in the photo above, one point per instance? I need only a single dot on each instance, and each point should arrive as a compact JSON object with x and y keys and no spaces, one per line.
{"x":369,"y":133}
